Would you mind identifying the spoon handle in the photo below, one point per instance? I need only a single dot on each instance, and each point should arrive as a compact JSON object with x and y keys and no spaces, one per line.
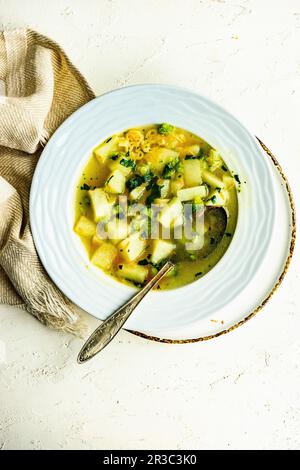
{"x":112,"y":325}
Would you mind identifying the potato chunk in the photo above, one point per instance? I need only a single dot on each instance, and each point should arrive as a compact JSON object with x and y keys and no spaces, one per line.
{"x":116,"y":165}
{"x":116,"y":182}
{"x":100,"y":203}
{"x":170,"y":212}
{"x":158,"y":158}
{"x":192,"y":172}
{"x":105,"y":150}
{"x":190,"y":150}
{"x":133,"y":272}
{"x":104,"y":256}
{"x":212,"y":179}
{"x":161,"y":250}
{"x":85,"y":227}
{"x":117,"y":229}
{"x":214,"y":160}
{"x":137,"y":193}
{"x":188,"y":194}
{"x":132,"y":247}
{"x":96,"y":241}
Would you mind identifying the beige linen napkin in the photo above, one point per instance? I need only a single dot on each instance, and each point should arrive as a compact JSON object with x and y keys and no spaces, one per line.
{"x":42,"y":88}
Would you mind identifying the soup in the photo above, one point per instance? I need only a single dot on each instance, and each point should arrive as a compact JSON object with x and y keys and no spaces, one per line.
{"x":152,"y":194}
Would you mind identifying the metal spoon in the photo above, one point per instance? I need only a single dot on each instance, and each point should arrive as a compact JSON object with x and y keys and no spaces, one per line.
{"x":112,"y":325}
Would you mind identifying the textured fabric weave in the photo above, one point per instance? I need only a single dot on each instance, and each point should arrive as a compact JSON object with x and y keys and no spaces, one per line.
{"x":42,"y":88}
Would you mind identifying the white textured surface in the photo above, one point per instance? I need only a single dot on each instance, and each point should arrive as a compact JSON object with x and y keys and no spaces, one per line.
{"x":241,"y":390}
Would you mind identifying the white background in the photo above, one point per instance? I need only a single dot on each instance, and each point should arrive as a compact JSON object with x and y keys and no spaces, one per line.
{"x":241,"y":390}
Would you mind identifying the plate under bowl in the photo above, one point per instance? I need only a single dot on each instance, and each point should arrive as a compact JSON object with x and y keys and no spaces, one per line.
{"x":52,"y":206}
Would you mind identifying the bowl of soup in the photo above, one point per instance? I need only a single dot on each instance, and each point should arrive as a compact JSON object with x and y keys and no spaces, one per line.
{"x":146,"y":174}
{"x":136,"y":195}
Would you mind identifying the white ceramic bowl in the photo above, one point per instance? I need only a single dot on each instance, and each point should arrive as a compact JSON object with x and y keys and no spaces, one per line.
{"x":52,"y":205}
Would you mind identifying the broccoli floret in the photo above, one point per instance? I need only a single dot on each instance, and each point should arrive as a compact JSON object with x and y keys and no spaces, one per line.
{"x":165,"y":128}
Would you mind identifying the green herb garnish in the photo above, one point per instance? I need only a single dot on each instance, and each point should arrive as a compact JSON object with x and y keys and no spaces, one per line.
{"x":201,"y":154}
{"x":128,"y":163}
{"x":148,"y":176}
{"x":85,"y":187}
{"x":191,"y":157}
{"x":171,"y":168}
{"x":134,"y":182}
{"x":236,"y":177}
{"x":143,"y":262}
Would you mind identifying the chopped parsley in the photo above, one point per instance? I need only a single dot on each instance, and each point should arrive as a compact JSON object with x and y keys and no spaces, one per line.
{"x":128,"y":163}
{"x":155,"y":193}
{"x":224,"y":168}
{"x":236,"y":177}
{"x":85,"y":187}
{"x":191,"y":157}
{"x":136,"y":284}
{"x":198,"y":274}
{"x":148,"y":176}
{"x":159,"y":265}
{"x":114,"y":156}
{"x":143,"y":262}
{"x":155,"y":266}
{"x":201,"y":155}
{"x":171,"y":168}
{"x":213,"y":199}
{"x":134,"y":182}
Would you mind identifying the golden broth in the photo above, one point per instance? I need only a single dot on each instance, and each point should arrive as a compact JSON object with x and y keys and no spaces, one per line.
{"x":157,"y":164}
